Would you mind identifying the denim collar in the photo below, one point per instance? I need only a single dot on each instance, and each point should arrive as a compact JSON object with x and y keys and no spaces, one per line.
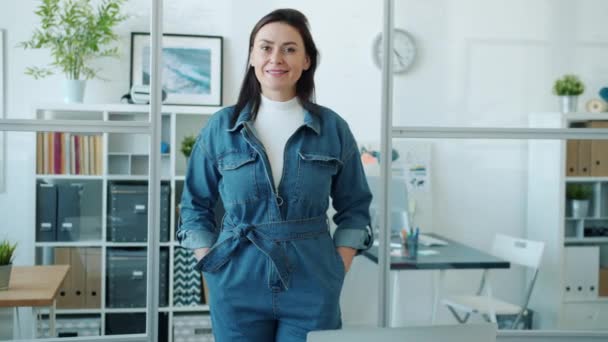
{"x":310,"y":120}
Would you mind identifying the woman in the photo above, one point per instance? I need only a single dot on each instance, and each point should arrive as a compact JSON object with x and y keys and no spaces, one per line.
{"x":274,"y":159}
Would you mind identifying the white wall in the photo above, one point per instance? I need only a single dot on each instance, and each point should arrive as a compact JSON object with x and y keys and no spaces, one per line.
{"x":481,"y":63}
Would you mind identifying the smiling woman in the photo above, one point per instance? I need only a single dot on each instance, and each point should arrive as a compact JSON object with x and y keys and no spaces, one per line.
{"x":274,"y":271}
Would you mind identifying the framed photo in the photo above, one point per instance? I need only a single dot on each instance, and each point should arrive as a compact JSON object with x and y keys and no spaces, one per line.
{"x":192,"y":67}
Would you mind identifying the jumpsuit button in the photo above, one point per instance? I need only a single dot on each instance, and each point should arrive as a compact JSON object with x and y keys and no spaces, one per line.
{"x":279,"y":200}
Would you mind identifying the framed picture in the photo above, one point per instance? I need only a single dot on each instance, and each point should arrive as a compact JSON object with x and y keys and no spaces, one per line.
{"x":192,"y":67}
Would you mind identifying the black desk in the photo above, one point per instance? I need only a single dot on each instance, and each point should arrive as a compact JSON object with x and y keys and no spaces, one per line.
{"x":453,"y":256}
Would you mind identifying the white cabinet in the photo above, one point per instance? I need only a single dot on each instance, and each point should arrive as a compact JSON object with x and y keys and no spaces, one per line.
{"x":576,"y":245}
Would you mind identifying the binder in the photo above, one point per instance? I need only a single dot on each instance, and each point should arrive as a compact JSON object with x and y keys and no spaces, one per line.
{"x":62,"y":257}
{"x":572,"y":158}
{"x":78,"y":262}
{"x":46,"y":212}
{"x":599,"y":152}
{"x":584,"y":158}
{"x":93,"y":278}
{"x":581,"y":278}
{"x":68,"y":212}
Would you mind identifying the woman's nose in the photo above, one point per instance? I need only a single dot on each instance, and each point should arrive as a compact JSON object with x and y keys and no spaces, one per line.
{"x":276,"y":56}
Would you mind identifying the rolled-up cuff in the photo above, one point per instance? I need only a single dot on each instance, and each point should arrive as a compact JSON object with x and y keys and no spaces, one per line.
{"x":359,"y":239}
{"x":194,"y":239}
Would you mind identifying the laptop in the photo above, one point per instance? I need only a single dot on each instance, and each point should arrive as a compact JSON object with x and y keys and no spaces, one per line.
{"x":431,"y":333}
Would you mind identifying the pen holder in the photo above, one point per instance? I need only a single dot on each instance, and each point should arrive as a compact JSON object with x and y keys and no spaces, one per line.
{"x":411,"y":247}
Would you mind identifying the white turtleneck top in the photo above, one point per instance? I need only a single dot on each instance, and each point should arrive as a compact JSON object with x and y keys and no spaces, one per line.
{"x":275,"y":123}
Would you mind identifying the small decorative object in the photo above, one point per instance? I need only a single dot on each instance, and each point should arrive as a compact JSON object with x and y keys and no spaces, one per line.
{"x":596,"y":106}
{"x":6,"y":263}
{"x":404,"y":51}
{"x":578,"y":196}
{"x":140,"y":94}
{"x":568,"y":88}
{"x":604,"y":94}
{"x":76,"y":33}
{"x":164,"y":147}
{"x":366,"y":154}
{"x":192,"y":67}
{"x":187,"y":144}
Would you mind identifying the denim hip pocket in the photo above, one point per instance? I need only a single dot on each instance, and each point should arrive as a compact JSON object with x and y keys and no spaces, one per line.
{"x":238,"y":184}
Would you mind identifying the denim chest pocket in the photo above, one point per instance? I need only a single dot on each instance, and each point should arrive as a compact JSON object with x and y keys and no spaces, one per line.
{"x":315,"y":171}
{"x":238,"y":183}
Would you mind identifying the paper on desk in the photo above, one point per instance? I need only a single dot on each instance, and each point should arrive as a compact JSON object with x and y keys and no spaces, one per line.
{"x":397,"y":252}
{"x":393,"y":244}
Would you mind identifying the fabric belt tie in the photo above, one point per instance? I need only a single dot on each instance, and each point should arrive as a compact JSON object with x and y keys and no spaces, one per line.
{"x":266,"y":237}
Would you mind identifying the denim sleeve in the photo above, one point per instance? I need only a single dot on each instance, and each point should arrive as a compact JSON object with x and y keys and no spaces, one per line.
{"x":197,"y":227}
{"x":351,"y":199}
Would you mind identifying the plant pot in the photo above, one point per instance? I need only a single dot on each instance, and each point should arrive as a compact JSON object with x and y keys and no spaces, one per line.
{"x":5,"y":276}
{"x":73,"y":91}
{"x":569,"y":104}
{"x":579,"y":208}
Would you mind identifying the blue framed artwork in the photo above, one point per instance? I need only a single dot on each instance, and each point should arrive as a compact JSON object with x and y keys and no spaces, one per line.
{"x":192,"y":67}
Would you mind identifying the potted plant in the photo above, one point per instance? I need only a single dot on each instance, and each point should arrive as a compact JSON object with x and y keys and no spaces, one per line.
{"x":187,"y":144}
{"x":578,"y":196}
{"x":6,"y":263}
{"x":568,"y":88}
{"x":76,"y":33}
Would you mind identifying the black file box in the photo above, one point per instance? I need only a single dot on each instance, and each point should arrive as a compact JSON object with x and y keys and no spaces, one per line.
{"x":128,"y":212}
{"x":46,"y":212}
{"x":127,"y":278}
{"x":68,"y":212}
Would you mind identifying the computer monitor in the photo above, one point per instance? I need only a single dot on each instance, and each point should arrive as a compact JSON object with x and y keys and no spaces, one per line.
{"x":399,"y":202}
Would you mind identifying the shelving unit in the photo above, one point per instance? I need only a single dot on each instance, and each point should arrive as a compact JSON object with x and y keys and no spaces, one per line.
{"x":566,"y":295}
{"x":125,"y":159}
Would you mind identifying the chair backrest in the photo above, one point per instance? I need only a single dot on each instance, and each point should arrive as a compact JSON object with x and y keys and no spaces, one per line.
{"x":434,"y":333}
{"x":519,"y":251}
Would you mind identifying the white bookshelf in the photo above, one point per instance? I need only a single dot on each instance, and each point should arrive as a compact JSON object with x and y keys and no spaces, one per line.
{"x":549,"y":220}
{"x":125,"y":157}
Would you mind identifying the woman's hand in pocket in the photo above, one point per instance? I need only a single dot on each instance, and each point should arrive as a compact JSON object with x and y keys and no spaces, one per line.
{"x":347,"y":254}
{"x":200,"y":253}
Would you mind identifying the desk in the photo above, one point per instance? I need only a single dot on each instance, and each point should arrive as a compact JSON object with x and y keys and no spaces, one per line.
{"x":34,"y":286}
{"x":454,"y":255}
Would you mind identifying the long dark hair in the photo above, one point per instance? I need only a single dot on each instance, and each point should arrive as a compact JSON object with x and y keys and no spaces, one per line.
{"x":305,"y":87}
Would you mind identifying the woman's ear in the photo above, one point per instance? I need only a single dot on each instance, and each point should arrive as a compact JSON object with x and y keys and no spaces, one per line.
{"x":306,"y":63}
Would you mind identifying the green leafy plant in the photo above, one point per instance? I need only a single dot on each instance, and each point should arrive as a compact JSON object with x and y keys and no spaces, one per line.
{"x":187,"y":144}
{"x":6,"y":252}
{"x":579,"y":191}
{"x":76,"y":34}
{"x":568,"y":85}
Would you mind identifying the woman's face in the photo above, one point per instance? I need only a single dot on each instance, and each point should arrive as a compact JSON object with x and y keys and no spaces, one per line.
{"x":279,"y":58}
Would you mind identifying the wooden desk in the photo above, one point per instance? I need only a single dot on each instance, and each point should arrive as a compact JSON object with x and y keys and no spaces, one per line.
{"x":34,"y":286}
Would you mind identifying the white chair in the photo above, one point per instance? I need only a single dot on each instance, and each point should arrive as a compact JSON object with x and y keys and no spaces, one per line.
{"x":517,"y":251}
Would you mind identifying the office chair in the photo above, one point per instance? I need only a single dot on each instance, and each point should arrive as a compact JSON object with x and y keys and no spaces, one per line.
{"x":517,"y":251}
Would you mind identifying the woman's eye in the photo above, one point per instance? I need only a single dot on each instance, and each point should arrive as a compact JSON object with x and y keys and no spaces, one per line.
{"x":265,"y":48}
{"x":289,"y":50}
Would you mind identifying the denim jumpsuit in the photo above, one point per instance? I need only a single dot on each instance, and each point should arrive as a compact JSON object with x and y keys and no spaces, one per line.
{"x":273,"y":271}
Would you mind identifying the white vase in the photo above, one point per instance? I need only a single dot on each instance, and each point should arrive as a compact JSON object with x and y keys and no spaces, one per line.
{"x":569,"y":103}
{"x":5,"y":276}
{"x":73,"y":91}
{"x":580,"y":208}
